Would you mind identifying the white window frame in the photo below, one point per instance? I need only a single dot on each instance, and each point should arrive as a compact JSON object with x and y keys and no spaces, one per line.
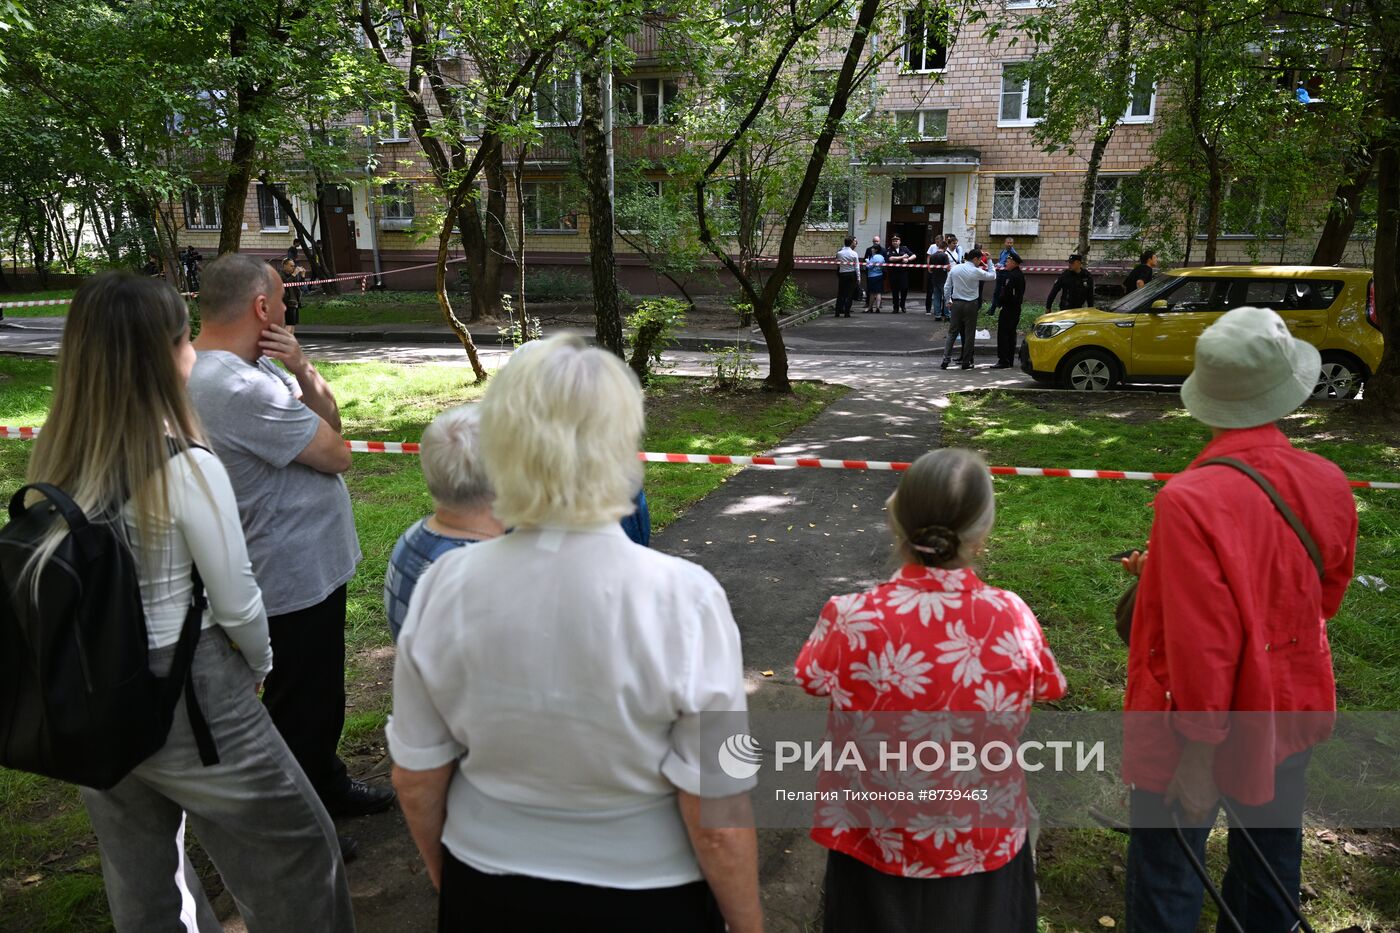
{"x":639,"y":89}
{"x":578,"y":102}
{"x":1128,"y":115}
{"x":1017,"y":225}
{"x":920,"y":122}
{"x":394,"y":123}
{"x":276,"y":210}
{"x":214,"y":205}
{"x":655,"y":185}
{"x":829,"y":192}
{"x":396,"y":202}
{"x":924,"y":45}
{"x":1024,"y":119}
{"x":1117,"y":230}
{"x":532,"y":224}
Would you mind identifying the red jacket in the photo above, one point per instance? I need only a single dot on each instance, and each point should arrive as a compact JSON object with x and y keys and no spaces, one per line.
{"x":1231,"y":616}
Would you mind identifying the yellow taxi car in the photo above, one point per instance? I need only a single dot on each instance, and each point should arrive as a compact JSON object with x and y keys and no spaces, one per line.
{"x":1150,"y":335}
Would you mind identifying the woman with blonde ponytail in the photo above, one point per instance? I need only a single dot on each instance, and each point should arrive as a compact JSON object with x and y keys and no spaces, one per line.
{"x":943,"y":656}
{"x":122,"y":440}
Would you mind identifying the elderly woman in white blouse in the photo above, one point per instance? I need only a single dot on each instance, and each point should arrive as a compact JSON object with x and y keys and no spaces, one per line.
{"x":549,"y":684}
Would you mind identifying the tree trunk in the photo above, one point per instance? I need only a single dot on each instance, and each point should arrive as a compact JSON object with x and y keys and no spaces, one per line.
{"x":1214,"y":191}
{"x":483,"y":243}
{"x":1341,"y":215}
{"x":1383,"y":388}
{"x":1091,"y":183}
{"x":444,"y":305}
{"x":235,"y":197}
{"x":593,"y":145}
{"x":777,"y":378}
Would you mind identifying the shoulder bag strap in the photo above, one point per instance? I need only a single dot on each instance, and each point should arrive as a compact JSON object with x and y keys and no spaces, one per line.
{"x":180,"y":679}
{"x":1288,"y":514}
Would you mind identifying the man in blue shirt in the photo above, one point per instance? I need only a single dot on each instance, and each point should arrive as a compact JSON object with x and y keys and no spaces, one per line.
{"x":461,"y":509}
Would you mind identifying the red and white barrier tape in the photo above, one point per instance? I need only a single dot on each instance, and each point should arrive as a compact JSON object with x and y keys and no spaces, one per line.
{"x":889,"y":266}
{"x":409,"y":447}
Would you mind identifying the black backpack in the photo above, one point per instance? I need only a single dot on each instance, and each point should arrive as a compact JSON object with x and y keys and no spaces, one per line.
{"x":77,"y":699}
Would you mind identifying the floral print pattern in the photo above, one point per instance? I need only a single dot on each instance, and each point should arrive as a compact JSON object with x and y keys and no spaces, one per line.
{"x":955,"y":656}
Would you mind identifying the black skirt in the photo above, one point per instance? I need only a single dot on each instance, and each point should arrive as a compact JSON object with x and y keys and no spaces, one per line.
{"x":861,"y":899}
{"x":474,"y":900}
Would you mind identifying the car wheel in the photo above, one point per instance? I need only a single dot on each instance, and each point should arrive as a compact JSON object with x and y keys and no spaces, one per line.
{"x":1089,"y":371}
{"x":1341,"y":377}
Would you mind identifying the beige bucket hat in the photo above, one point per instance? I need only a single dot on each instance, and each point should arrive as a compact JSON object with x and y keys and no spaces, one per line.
{"x":1250,"y":370}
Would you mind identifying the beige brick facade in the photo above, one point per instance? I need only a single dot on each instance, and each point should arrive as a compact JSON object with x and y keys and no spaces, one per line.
{"x":954,"y":184}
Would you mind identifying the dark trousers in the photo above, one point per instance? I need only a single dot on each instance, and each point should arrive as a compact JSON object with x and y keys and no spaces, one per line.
{"x":1164,"y":894}
{"x":845,"y":292}
{"x":469,"y":899}
{"x":305,"y":693}
{"x":899,"y":290}
{"x":1007,"y":323}
{"x":860,"y":898}
{"x":996,"y":291}
{"x":964,"y":322}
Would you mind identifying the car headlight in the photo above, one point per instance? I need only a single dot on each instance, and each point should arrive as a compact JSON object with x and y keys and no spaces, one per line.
{"x":1046,"y":331}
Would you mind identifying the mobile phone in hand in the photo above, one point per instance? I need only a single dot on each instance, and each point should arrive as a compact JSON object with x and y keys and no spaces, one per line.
{"x":1124,"y":555}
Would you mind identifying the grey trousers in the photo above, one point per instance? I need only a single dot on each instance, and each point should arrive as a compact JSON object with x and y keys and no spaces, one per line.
{"x":964,"y":322}
{"x":254,"y":813}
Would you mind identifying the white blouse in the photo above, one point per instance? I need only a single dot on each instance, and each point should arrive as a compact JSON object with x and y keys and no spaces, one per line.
{"x":204,"y":529}
{"x":565,"y":671}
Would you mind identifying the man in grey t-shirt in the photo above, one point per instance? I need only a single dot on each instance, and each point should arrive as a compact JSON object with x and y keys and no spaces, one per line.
{"x":278,"y":435}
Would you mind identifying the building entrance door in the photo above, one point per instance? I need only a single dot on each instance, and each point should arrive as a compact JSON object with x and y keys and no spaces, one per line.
{"x":916,"y":214}
{"x":338,"y":227}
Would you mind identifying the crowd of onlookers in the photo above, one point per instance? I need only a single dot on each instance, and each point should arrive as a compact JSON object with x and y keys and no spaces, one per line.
{"x":552,"y":673}
{"x":955,"y":283}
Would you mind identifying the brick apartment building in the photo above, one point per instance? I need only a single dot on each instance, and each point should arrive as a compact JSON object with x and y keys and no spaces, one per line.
{"x":973,"y":170}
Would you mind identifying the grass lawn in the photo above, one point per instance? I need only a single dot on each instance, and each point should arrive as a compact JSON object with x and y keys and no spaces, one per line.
{"x":50,"y":879}
{"x":1078,"y":523}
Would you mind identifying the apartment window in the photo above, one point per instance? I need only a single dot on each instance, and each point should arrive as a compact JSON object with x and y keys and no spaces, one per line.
{"x":644,"y":101}
{"x":1247,"y":210}
{"x":830,"y":207}
{"x":926,"y":39}
{"x":396,"y":201}
{"x":1022,"y":97}
{"x":1016,"y":199}
{"x":1143,"y":102}
{"x":557,"y":102}
{"x":548,"y":207}
{"x":1117,"y":206}
{"x":202,"y":207}
{"x":391,"y":126}
{"x":270,"y":212}
{"x":636,"y":202}
{"x":922,"y":124}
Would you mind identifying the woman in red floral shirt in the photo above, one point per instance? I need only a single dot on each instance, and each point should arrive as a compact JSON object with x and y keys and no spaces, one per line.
{"x":932,"y":639}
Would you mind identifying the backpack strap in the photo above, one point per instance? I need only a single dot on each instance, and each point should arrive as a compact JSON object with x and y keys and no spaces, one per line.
{"x":180,"y":679}
{"x":1288,"y":514}
{"x":62,"y":502}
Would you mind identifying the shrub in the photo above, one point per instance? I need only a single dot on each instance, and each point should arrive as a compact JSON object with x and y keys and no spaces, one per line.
{"x":651,"y":329}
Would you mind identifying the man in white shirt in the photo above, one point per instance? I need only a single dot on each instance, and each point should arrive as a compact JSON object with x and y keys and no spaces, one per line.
{"x":847,"y":270}
{"x":964,"y":280}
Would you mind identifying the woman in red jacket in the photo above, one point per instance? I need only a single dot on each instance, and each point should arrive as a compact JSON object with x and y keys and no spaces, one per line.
{"x":933,"y":638}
